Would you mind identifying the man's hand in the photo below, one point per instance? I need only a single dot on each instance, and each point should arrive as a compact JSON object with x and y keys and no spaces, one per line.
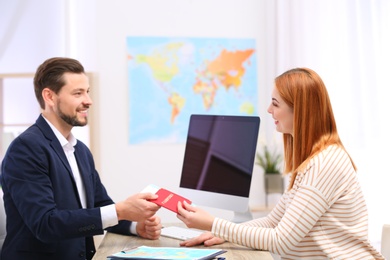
{"x":150,"y":228}
{"x":137,"y":207}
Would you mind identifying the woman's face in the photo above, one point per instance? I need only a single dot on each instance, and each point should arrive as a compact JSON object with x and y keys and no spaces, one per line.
{"x":281,"y":113}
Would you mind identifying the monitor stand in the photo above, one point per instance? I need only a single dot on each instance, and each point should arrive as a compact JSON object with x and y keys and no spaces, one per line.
{"x":240,"y":217}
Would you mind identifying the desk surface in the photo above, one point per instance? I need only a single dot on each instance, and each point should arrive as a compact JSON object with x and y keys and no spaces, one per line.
{"x":113,"y":243}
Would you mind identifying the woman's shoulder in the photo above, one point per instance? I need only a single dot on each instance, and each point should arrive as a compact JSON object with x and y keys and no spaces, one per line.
{"x":333,"y":153}
{"x":330,"y":158}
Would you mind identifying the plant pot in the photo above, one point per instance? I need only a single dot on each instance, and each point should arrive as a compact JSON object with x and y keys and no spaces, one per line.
{"x":273,"y":183}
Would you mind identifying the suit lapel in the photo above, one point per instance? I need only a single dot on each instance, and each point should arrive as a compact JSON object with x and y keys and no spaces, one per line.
{"x":82,"y":163}
{"x":54,"y":143}
{"x":59,"y":150}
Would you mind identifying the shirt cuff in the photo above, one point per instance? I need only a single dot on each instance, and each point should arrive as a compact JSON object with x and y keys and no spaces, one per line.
{"x":109,"y":217}
{"x":133,"y":228}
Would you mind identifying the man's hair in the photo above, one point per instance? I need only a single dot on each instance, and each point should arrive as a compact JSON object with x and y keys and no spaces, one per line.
{"x":50,"y":75}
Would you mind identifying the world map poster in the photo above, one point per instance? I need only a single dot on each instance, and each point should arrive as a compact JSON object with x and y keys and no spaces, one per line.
{"x":171,"y":78}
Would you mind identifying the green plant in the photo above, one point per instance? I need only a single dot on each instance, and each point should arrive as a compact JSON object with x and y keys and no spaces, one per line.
{"x":269,"y":161}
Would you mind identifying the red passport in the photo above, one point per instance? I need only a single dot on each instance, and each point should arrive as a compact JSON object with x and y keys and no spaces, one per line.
{"x":168,"y":199}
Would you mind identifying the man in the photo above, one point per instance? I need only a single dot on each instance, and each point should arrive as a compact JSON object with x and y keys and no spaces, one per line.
{"x":54,"y":200}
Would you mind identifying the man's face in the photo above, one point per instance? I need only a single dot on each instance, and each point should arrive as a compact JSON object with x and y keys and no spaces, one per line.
{"x":73,"y":100}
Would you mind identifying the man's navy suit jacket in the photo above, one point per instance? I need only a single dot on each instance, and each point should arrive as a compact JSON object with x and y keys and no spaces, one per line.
{"x":44,"y":215}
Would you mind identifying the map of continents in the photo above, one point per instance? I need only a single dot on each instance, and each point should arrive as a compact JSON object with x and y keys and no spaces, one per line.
{"x":171,"y":78}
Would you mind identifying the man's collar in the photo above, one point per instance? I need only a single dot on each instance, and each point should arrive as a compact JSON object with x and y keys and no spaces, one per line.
{"x":63,"y":141}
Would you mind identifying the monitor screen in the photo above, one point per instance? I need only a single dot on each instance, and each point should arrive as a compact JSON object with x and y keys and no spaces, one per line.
{"x":218,"y":160}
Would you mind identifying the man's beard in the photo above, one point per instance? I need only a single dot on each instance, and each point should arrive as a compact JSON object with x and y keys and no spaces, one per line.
{"x":71,"y":120}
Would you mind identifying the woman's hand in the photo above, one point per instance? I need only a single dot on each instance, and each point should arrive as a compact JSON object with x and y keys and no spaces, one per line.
{"x":194,"y":217}
{"x":205,"y":238}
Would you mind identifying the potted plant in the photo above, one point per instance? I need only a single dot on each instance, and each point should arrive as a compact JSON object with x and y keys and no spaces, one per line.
{"x":270,"y":162}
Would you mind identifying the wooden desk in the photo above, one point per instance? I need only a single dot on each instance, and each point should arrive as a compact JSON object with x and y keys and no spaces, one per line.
{"x":113,"y":243}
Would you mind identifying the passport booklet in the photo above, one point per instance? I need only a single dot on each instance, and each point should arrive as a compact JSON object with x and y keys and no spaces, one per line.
{"x":166,"y":198}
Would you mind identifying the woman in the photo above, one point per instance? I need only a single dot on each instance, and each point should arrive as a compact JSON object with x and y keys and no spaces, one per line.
{"x":322,"y":214}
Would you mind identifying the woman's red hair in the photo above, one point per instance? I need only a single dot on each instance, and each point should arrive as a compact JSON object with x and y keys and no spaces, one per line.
{"x":314,"y":125}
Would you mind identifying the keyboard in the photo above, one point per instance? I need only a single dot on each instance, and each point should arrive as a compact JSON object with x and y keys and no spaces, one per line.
{"x":180,"y":233}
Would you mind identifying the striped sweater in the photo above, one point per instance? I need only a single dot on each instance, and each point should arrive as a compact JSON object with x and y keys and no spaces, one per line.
{"x":324,"y":215}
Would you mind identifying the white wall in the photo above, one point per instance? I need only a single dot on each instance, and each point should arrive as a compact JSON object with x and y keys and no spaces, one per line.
{"x":127,"y":169}
{"x":29,"y":33}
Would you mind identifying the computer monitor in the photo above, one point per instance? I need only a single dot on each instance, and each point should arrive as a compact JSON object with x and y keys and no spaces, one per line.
{"x":218,"y":162}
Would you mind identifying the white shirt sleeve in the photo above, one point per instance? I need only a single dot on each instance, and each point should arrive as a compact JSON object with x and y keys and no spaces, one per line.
{"x":109,"y":218}
{"x":133,"y":228}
